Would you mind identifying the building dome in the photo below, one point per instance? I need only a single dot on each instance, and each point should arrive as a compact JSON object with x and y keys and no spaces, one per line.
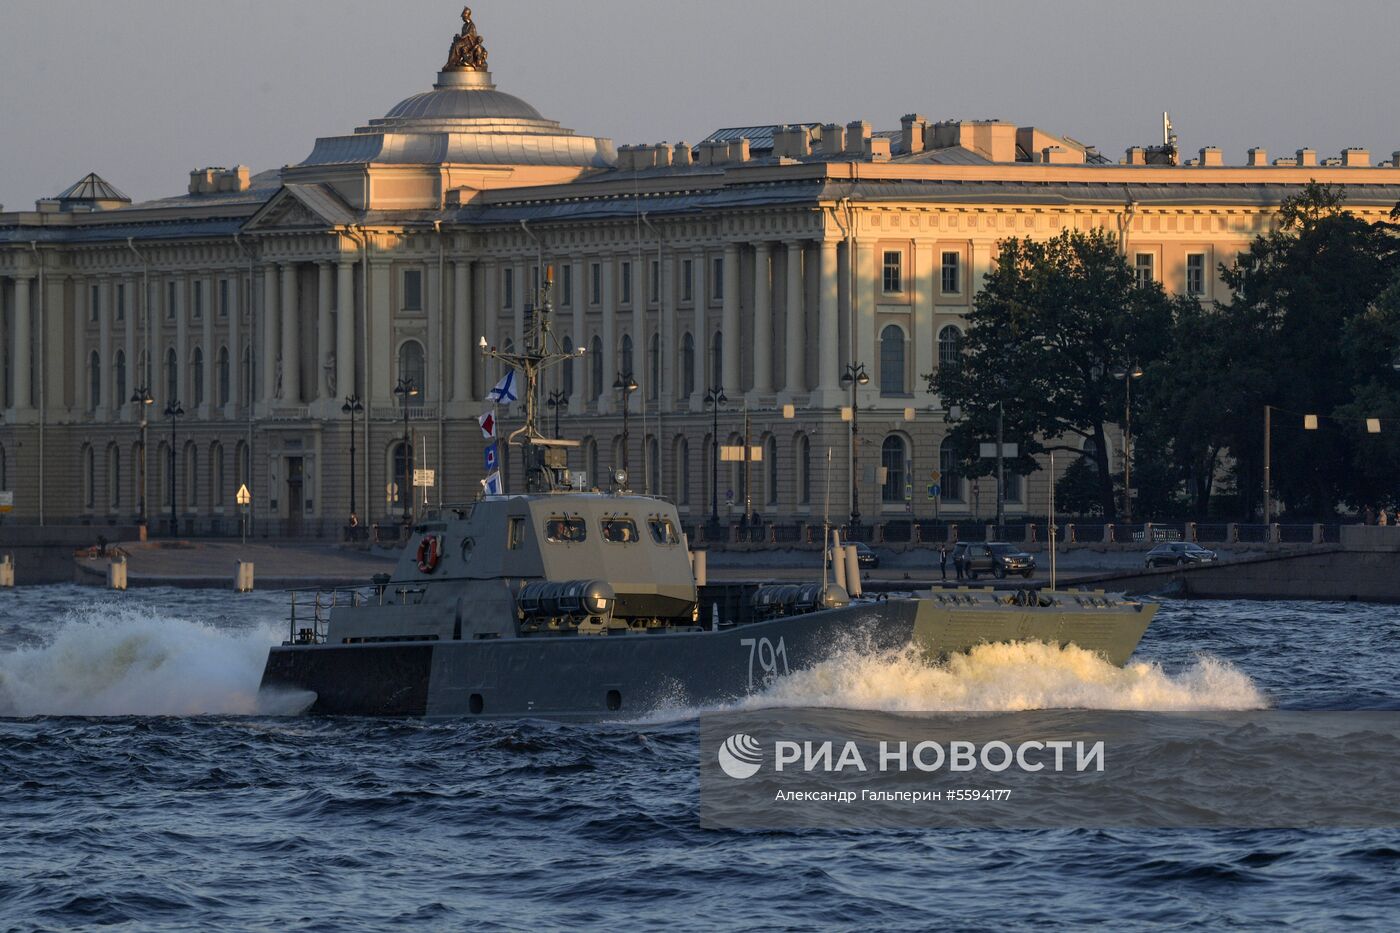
{"x":472,"y":102}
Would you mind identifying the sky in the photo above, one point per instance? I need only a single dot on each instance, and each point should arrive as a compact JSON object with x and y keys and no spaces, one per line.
{"x":143,"y":91}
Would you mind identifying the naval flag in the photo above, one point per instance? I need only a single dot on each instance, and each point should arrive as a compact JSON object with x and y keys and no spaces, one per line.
{"x":504,"y":391}
{"x":492,"y":457}
{"x":492,"y":484}
{"x":488,"y":424}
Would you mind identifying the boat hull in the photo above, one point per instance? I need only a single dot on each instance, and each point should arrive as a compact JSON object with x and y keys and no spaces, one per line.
{"x":625,"y":676}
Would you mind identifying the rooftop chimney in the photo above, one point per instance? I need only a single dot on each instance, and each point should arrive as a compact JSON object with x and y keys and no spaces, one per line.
{"x":1258,"y":156}
{"x":1211,"y":155}
{"x":1356,"y":158}
{"x":913,"y":125}
{"x":1307,"y":156}
{"x":857,"y":132}
{"x":1135,"y":156}
{"x":833,"y":140}
{"x":680,"y":155}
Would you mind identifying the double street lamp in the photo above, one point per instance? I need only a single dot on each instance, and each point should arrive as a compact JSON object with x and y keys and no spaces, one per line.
{"x":625,"y":384}
{"x":352,"y":407}
{"x":853,"y":378}
{"x":142,"y":397}
{"x":714,"y":398}
{"x":174,"y":412}
{"x":406,"y":390}
{"x":558,"y":400}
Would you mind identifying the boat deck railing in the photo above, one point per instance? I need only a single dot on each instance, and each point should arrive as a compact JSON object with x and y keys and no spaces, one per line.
{"x":311,"y":609}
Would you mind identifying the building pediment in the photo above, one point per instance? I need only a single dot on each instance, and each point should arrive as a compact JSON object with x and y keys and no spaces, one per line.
{"x":299,"y":207}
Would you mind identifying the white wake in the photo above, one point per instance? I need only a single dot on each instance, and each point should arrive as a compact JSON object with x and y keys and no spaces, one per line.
{"x":111,"y":660}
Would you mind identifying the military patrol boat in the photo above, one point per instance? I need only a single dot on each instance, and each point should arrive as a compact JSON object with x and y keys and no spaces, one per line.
{"x":581,"y":603}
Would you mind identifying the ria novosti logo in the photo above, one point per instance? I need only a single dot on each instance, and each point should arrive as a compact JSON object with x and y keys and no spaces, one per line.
{"x":740,"y":756}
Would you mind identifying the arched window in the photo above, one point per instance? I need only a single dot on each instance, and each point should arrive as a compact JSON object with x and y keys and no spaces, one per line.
{"x":166,"y":472}
{"x":949,"y":347}
{"x":717,"y":361}
{"x":654,"y":368}
{"x":246,"y":377}
{"x":197,"y":375}
{"x":223,"y":376}
{"x":595,"y":389}
{"x":411,"y":366}
{"x":566,"y":372}
{"x":707,"y":471}
{"x":241,"y":464}
{"x":218,"y":495}
{"x":94,"y":381}
{"x":143,"y":372}
{"x":89,"y":477}
{"x":590,"y":460}
{"x":1014,"y":487}
{"x":770,"y":469}
{"x":172,"y":377}
{"x":892,"y":361}
{"x":191,"y":477}
{"x":114,"y":477}
{"x":402,"y":472}
{"x":626,"y":368}
{"x":654,"y":465}
{"x":682,"y":457}
{"x":1090,"y":451}
{"x":687,"y":366}
{"x":954,"y":486}
{"x":119,"y":372}
{"x":138,"y":495}
{"x":894,"y":457}
{"x":804,"y":470}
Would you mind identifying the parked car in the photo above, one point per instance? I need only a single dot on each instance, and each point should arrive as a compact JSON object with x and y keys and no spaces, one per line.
{"x":1179,"y":554}
{"x":997,"y":558}
{"x":865,"y":557}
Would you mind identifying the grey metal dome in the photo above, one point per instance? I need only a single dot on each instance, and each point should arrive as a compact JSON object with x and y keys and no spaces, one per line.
{"x":462,"y":104}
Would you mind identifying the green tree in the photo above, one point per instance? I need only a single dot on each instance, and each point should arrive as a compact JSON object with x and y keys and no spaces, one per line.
{"x":1052,"y":322}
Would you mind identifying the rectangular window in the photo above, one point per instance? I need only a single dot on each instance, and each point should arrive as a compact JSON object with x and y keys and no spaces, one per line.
{"x":1196,"y":274}
{"x":197,"y":300}
{"x":952,"y":273}
{"x":223,"y":297}
{"x":626,"y":283}
{"x":508,"y":288}
{"x":595,"y":288}
{"x":515,"y":533}
{"x":170,"y":300}
{"x":717,"y":287}
{"x":654,"y":288}
{"x":121,"y":302}
{"x":1142,"y":264}
{"x":566,"y":286}
{"x":94,"y":303}
{"x":687,"y":281}
{"x":892,"y":281}
{"x":412,"y":290}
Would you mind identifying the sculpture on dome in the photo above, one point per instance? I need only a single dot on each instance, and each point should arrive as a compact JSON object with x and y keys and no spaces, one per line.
{"x":468,"y":52}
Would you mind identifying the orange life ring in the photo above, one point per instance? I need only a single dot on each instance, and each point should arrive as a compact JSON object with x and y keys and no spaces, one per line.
{"x":429,"y":553}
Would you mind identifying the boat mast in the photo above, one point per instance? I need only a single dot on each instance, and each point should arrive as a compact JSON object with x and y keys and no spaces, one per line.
{"x":545,"y":459}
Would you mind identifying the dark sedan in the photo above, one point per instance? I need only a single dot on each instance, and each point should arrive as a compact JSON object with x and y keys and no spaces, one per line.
{"x":1179,"y":554}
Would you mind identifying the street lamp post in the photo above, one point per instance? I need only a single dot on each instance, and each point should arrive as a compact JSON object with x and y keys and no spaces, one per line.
{"x":352,"y":407}
{"x":853,"y":378}
{"x":558,"y":400}
{"x":174,"y":412}
{"x":406,"y":390}
{"x":714,"y":398}
{"x":626,"y":385}
{"x":1127,"y":374}
{"x":142,"y":397}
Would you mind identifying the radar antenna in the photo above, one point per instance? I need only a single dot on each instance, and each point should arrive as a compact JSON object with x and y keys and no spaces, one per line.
{"x":545,"y":458}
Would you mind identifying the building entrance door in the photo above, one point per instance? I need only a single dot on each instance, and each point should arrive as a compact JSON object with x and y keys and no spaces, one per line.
{"x":296,"y":501}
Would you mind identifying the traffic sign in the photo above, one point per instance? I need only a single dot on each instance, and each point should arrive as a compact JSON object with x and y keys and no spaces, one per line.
{"x":243,"y":496}
{"x":908,"y":491}
{"x":933,"y":491}
{"x":935,"y":475}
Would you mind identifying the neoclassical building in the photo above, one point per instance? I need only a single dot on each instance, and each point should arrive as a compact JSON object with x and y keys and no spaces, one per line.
{"x":765,"y":261}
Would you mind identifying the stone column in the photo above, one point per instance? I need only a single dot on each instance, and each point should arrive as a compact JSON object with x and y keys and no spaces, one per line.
{"x":666,"y":323}
{"x":518,"y":301}
{"x":105,"y":312}
{"x":865,"y":349}
{"x":463,"y":349}
{"x":235,"y":343}
{"x":608,"y":270}
{"x":794,"y":375}
{"x":182,"y":338}
{"x":762,"y":319}
{"x":82,"y":312}
{"x":432,"y":346}
{"x":731,"y":377}
{"x":828,"y":326}
{"x":324,"y":347}
{"x":291,"y":334}
{"x":211,"y":352}
{"x":270,"y":327}
{"x":581,"y":364}
{"x":19,"y":345}
{"x":637,"y":400}
{"x":345,"y":328}
{"x":699,"y":282}
{"x":133,"y":373}
{"x":925,"y":282}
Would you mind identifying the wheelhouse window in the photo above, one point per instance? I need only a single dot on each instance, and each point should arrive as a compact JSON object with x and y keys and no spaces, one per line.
{"x":620,"y":531}
{"x":663,"y":531}
{"x":515,"y":532}
{"x":565,"y":529}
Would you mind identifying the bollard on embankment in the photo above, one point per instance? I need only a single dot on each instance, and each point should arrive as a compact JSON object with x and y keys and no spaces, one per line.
{"x":243,"y":577}
{"x":7,"y":571}
{"x":116,"y":574}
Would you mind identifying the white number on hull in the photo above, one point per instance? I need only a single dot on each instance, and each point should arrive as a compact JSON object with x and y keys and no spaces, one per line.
{"x":768,"y":656}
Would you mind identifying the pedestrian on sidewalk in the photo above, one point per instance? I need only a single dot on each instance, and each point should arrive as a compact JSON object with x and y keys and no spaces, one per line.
{"x":958,"y":567}
{"x":943,"y":561}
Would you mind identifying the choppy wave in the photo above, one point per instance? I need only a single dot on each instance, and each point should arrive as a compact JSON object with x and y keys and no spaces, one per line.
{"x":1009,"y":677}
{"x":114,"y":660}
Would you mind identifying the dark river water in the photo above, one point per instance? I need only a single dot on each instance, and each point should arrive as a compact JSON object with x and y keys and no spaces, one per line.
{"x":140,"y":784}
